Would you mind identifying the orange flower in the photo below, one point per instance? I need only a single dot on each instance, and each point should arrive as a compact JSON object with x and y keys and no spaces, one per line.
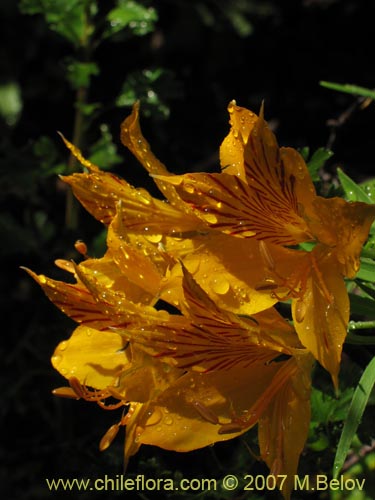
{"x":183,"y":381}
{"x":238,"y":372}
{"x":265,"y":193}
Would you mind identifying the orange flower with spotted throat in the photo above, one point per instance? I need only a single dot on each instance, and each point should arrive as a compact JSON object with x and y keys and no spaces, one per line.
{"x":266,"y":193}
{"x":222,"y":249}
{"x":183,"y":381}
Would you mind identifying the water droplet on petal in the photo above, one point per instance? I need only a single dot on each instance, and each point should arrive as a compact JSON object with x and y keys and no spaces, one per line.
{"x":168,"y":420}
{"x":63,"y":345}
{"x":220,"y":285}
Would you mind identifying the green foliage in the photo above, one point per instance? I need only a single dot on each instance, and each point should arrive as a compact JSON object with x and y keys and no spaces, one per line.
{"x":79,"y":73}
{"x":349,"y":89}
{"x":91,"y":45}
{"x":67,"y":17}
{"x":317,"y":161}
{"x":152,"y":87}
{"x":352,"y":191}
{"x":353,"y":418}
{"x":134,"y":16}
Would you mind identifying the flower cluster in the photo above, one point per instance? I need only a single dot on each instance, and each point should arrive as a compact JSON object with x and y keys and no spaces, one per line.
{"x":177,"y":325}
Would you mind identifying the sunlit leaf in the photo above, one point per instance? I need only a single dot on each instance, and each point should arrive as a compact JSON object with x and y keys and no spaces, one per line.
{"x":349,"y":89}
{"x":132,"y":15}
{"x":367,"y":270}
{"x":353,"y":192}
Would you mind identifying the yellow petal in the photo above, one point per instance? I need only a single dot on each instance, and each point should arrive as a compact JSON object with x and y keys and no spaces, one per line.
{"x":132,"y":138}
{"x":344,"y":227}
{"x":74,"y":300}
{"x":95,"y":358}
{"x":321,"y":315}
{"x":231,"y":150}
{"x":133,"y":264}
{"x":206,"y":338}
{"x":284,"y":425}
{"x":187,"y":409}
{"x":279,"y":181}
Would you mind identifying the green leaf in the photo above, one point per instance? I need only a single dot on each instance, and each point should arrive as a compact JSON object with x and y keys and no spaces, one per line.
{"x":10,"y":102}
{"x":104,"y":151}
{"x":66,"y":17}
{"x":369,"y":188}
{"x":132,"y":15}
{"x":79,"y":73}
{"x":317,"y":161}
{"x":353,"y":419}
{"x":367,"y":270}
{"x":362,"y":306}
{"x":152,"y":87}
{"x":353,"y":192}
{"x":349,"y":89}
{"x":326,"y":409}
{"x":366,"y":287}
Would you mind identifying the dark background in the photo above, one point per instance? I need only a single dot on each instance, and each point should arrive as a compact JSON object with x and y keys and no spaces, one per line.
{"x":291,"y":46}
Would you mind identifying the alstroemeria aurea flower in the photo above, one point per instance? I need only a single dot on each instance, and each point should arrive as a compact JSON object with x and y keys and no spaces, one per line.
{"x":171,"y":230}
{"x":205,"y":375}
{"x":265,"y":193}
{"x":240,"y":371}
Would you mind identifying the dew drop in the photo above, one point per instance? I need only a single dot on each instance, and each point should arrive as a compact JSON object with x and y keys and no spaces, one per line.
{"x":63,"y":345}
{"x":154,"y":417}
{"x":154,"y":238}
{"x":56,"y":360}
{"x":189,"y":188}
{"x":168,"y":420}
{"x":210,"y":218}
{"x":220,"y":285}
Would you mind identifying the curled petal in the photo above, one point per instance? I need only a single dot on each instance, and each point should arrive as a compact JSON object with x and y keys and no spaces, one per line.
{"x":132,"y":138}
{"x":284,"y":425}
{"x":321,"y":315}
{"x":94,"y":358}
{"x":231,"y":150}
{"x":344,"y":227}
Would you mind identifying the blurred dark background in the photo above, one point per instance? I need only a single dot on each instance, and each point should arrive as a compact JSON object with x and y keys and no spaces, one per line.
{"x":194,"y":59}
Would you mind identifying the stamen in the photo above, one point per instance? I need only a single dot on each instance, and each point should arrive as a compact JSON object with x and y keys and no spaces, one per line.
{"x":65,"y":392}
{"x":81,"y":248}
{"x":230,"y":428}
{"x":266,"y":255}
{"x":205,"y":412}
{"x":108,"y":437}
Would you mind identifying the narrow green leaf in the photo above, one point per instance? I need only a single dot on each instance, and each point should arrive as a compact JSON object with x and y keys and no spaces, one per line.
{"x":366,"y":288}
{"x":367,"y":270}
{"x":353,"y":192}
{"x":317,"y":161}
{"x":369,"y":188}
{"x":349,"y":89}
{"x":353,"y":419}
{"x":361,"y":306}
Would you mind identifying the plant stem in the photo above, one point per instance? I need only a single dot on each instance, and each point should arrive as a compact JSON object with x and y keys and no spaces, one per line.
{"x":361,"y":325}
